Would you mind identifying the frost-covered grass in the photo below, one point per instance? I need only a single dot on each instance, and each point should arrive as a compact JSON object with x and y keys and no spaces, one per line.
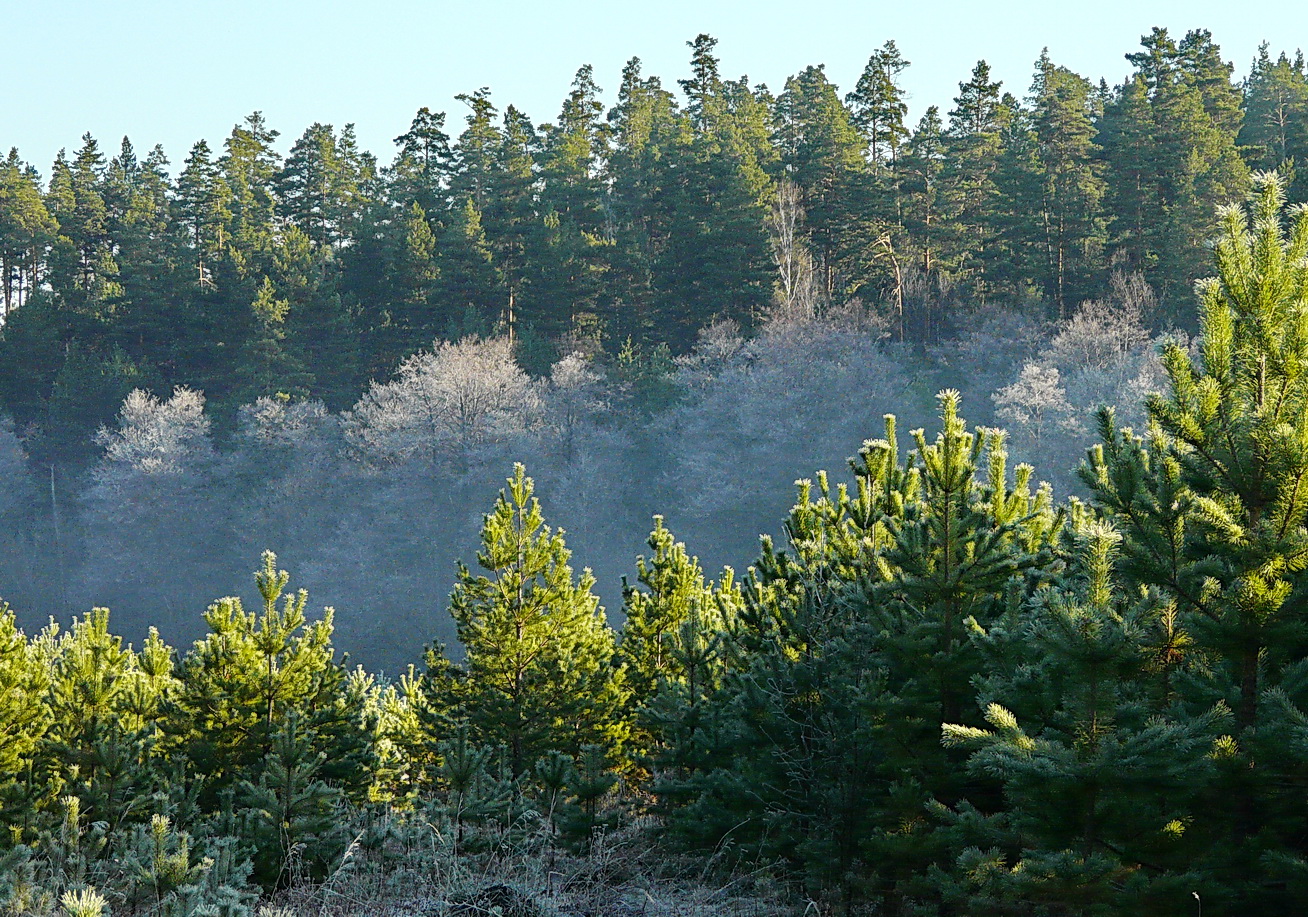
{"x":626,"y":872}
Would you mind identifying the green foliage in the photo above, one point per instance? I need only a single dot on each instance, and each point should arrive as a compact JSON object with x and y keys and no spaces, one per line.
{"x":290,"y":815}
{"x":1101,"y":787}
{"x":473,"y":791}
{"x":248,"y":275}
{"x":1121,"y":685}
{"x":671,"y":649}
{"x":1213,"y":516}
{"x":540,"y":671}
{"x":248,"y":676}
{"x":850,"y":651}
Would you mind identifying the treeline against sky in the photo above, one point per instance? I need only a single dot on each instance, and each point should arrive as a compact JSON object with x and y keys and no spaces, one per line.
{"x":942,"y":692}
{"x":251,"y":274}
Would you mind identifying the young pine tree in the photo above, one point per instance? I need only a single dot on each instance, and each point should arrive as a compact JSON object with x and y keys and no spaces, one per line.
{"x":1213,"y":511}
{"x":1100,"y":787}
{"x":252,"y":672}
{"x":290,"y":814}
{"x":540,"y":672}
{"x":667,"y":616}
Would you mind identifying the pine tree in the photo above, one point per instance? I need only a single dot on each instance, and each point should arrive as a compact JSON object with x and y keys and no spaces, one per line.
{"x":516,"y":232}
{"x":203,"y":208}
{"x":26,"y":228}
{"x":474,"y":153}
{"x":674,"y":589}
{"x":469,"y":282}
{"x":1101,"y":790}
{"x":306,"y":182}
{"x":423,"y":160}
{"x":102,"y":706}
{"x":240,"y":684}
{"x":250,"y":167}
{"x":1051,"y":178}
{"x":1169,"y":143}
{"x":822,"y":152}
{"x":849,"y":651}
{"x":967,"y":182}
{"x":291,"y":813}
{"x":580,"y":814}
{"x":1213,"y":517}
{"x":473,"y":792}
{"x":25,"y":716}
{"x":1274,"y":132}
{"x":669,"y":648}
{"x":646,"y":128}
{"x":161,"y":871}
{"x":78,"y":203}
{"x":264,"y":367}
{"x":540,"y":671}
{"x":878,"y":108}
{"x":924,"y":217}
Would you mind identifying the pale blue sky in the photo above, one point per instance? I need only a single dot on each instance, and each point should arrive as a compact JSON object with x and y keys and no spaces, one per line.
{"x":176,"y":72}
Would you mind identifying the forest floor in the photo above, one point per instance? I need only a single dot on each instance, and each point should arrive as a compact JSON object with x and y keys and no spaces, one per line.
{"x":624,"y":875}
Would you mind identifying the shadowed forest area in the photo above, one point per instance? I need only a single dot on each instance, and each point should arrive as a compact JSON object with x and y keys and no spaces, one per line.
{"x":1051,"y":659}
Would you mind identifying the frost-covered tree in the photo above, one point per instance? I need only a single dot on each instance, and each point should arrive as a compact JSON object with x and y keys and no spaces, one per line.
{"x":588,"y":464}
{"x":155,"y":437}
{"x":280,"y":421}
{"x":1102,"y":333}
{"x":575,"y":394}
{"x":444,"y":403}
{"x":149,"y":503}
{"x":1036,"y":403}
{"x":779,"y":405}
{"x":797,"y":293}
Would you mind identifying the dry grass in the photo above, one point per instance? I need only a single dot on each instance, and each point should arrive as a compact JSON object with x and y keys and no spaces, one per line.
{"x":417,"y":872}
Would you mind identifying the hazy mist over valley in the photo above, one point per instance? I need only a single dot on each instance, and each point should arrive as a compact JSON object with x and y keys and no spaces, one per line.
{"x":372,"y":512}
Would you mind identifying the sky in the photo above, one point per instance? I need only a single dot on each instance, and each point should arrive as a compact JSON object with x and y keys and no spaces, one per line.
{"x":176,"y":72}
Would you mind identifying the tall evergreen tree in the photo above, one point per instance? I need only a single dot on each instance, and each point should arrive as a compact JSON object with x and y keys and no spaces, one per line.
{"x":877,"y":105}
{"x":1274,"y":132}
{"x":974,"y":142}
{"x":423,"y":160}
{"x":26,"y":230}
{"x":1051,"y":178}
{"x":250,"y":166}
{"x":203,"y":208}
{"x":822,"y":152}
{"x":1169,"y":140}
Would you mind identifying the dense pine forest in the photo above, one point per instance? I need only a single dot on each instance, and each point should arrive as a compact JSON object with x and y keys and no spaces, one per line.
{"x":945,"y":688}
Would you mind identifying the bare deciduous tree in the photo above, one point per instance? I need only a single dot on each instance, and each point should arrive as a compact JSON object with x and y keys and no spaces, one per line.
{"x":1035,"y":402}
{"x":574,"y":395}
{"x":795,"y":399}
{"x":156,"y":437}
{"x":281,"y":422}
{"x":797,"y":289}
{"x":716,"y":347}
{"x":444,"y":403}
{"x":1103,"y":332}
